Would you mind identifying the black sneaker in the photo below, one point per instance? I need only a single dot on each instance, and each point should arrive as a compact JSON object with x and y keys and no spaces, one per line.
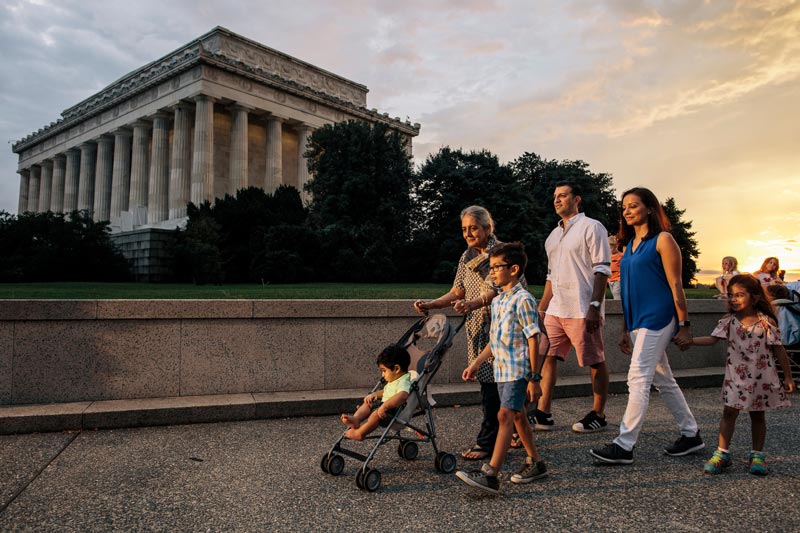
{"x":685,"y":445}
{"x":541,"y":421}
{"x":590,"y":423}
{"x":613,"y":454}
{"x":483,"y":479}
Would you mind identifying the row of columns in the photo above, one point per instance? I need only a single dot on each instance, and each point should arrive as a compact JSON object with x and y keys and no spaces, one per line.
{"x":116,"y":173}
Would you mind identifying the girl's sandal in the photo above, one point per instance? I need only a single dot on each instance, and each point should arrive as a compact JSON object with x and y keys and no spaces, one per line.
{"x":476,"y":453}
{"x":516,"y":441}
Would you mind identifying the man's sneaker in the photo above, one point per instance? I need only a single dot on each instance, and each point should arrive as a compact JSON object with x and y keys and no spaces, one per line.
{"x":758,"y":464}
{"x":613,"y":454}
{"x":718,"y":462}
{"x":483,"y":479}
{"x":590,"y":423}
{"x":541,"y":421}
{"x":529,"y":471}
{"x":685,"y":445}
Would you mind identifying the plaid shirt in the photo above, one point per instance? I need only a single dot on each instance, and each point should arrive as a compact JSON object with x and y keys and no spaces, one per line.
{"x":514,"y":321}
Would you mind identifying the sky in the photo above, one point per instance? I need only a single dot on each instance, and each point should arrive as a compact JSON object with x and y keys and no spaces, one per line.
{"x":696,"y":100}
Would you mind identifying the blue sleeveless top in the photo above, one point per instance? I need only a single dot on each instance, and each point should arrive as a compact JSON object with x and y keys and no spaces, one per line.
{"x":646,"y":297}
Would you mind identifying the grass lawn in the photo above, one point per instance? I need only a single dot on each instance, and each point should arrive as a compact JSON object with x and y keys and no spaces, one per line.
{"x":303,"y":291}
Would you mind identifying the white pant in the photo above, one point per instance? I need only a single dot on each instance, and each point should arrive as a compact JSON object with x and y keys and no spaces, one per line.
{"x":650,"y":366}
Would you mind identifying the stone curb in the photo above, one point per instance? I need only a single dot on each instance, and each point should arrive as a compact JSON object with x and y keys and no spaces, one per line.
{"x":237,"y":407}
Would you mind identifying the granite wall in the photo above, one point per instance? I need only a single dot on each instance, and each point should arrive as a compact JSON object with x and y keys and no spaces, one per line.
{"x":86,"y":350}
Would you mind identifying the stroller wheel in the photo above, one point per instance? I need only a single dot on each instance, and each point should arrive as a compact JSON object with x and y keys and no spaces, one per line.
{"x":360,"y":478}
{"x":335,"y":465}
{"x":408,"y":450}
{"x":445,"y":462}
{"x":372,"y":480}
{"x":324,"y":463}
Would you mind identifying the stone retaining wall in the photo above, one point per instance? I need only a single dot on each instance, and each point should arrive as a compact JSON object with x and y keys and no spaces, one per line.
{"x":88,"y":350}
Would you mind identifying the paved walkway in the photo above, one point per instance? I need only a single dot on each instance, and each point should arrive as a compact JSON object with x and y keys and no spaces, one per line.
{"x":264,"y":475}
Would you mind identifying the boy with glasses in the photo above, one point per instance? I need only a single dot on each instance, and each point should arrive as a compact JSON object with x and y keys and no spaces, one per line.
{"x":515,"y":347}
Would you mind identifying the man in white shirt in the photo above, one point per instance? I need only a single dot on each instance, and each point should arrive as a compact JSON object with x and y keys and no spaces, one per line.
{"x":578,"y":266}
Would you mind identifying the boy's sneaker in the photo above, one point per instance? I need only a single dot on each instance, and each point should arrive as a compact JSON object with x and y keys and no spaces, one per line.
{"x":685,"y":445}
{"x":529,"y":471}
{"x":718,"y":462}
{"x":483,"y":479}
{"x":590,"y":423}
{"x":541,"y":421}
{"x":613,"y":454}
{"x":758,"y":464}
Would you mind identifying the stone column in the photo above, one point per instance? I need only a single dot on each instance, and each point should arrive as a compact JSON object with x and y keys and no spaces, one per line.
{"x":139,"y":166}
{"x":71,"y":177}
{"x":24,"y":182}
{"x":303,"y":175}
{"x":203,"y":157}
{"x":57,"y":192}
{"x":86,"y":177}
{"x":180,"y":172}
{"x":33,"y":189}
{"x":274,"y":176}
{"x":121,"y":173}
{"x":45,"y":185}
{"x":238,"y":156}
{"x":158,"y":190}
{"x":103,"y":175}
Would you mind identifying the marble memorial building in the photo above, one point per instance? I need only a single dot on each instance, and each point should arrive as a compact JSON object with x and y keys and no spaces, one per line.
{"x":220,"y":113}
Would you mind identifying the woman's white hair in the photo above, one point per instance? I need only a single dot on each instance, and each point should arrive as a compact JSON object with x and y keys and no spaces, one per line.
{"x":482,"y":215}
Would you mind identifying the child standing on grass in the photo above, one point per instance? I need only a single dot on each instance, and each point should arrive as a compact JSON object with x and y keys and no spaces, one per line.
{"x":514,"y":345}
{"x":751,"y":378}
{"x":393,"y":362}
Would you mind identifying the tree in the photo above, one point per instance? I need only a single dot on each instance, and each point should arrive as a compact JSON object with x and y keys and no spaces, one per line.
{"x":685,"y":239}
{"x":360,"y":207}
{"x":56,"y":247}
{"x":447,"y":182}
{"x":537,"y":177}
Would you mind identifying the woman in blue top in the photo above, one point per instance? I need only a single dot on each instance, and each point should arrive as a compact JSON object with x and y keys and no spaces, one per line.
{"x":655,"y":312}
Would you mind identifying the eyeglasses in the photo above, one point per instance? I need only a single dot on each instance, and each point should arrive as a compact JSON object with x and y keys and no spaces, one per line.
{"x":495,"y":268}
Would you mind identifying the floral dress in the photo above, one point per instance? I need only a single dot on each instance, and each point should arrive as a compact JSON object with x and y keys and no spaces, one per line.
{"x":751,"y":378}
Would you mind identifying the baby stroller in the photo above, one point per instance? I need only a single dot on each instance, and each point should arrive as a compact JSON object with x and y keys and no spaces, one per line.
{"x":788,"y":311}
{"x":432,"y":329}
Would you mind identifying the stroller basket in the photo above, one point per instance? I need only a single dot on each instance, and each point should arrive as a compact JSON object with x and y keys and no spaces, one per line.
{"x":435,"y":329}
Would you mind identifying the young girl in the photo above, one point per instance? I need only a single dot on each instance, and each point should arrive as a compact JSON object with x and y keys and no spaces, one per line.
{"x":729,"y":265}
{"x":751,"y":379}
{"x":769,"y":273}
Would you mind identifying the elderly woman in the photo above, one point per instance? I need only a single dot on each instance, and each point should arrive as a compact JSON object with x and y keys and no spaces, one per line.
{"x":654,"y":313}
{"x":472,"y":293}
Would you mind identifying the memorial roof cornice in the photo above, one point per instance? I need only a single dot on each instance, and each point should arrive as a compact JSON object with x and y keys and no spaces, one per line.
{"x":195,"y":53}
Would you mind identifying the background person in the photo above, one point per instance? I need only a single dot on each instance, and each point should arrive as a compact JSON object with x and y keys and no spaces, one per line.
{"x":769,"y":274}
{"x":472,"y":293}
{"x":616,"y":257}
{"x":578,"y":265}
{"x":729,"y":266}
{"x":654,"y":309}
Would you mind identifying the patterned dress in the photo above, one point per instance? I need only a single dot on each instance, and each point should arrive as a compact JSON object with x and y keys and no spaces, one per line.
{"x":751,"y":378}
{"x":473,"y":278}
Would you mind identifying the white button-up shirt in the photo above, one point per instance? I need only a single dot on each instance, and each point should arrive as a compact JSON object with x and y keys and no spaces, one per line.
{"x":576,"y":252}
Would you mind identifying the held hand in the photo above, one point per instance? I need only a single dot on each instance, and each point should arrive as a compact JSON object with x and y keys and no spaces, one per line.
{"x":421,"y":306}
{"x":788,"y":384}
{"x":462,"y":306}
{"x":625,"y":343}
{"x":683,"y":338}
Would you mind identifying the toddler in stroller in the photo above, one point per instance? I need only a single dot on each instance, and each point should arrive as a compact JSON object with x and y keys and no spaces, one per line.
{"x":407,"y":369}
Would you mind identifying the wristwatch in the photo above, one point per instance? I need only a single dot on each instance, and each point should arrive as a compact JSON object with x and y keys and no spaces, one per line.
{"x":595,"y":304}
{"x":683,"y":323}
{"x":536,"y":377}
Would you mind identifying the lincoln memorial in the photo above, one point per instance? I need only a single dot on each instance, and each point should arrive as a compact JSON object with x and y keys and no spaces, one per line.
{"x":219,"y":114}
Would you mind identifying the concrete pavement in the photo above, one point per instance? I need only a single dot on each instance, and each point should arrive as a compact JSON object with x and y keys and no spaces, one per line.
{"x":264,"y":475}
